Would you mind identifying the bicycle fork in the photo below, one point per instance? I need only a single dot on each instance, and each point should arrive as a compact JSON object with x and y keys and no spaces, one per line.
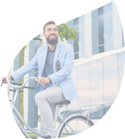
{"x":18,"y":125}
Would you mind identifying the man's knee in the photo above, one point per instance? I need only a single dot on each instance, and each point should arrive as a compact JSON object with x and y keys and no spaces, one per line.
{"x":36,"y":98}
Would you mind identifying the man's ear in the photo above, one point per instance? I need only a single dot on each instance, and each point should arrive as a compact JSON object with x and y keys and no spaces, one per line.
{"x":44,"y":34}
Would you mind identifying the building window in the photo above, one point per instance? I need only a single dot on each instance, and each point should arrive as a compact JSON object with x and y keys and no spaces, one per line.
{"x":75,"y":21}
{"x":110,"y":28}
{"x":106,"y":47}
{"x":100,"y":11}
{"x":81,"y":17}
{"x":105,"y":9}
{"x":75,"y":45}
{"x":110,"y":46}
{"x":109,"y":7}
{"x":101,"y":30}
{"x":101,"y":49}
{"x":76,"y":56}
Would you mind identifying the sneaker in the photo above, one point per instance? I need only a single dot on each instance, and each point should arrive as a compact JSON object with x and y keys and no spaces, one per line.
{"x":47,"y":137}
{"x":50,"y":137}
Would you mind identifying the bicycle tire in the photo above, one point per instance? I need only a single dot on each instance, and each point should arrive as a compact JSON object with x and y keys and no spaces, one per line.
{"x":92,"y":125}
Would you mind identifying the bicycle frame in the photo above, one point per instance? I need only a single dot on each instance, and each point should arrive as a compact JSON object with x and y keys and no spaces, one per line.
{"x":61,"y":120}
{"x":13,"y":108}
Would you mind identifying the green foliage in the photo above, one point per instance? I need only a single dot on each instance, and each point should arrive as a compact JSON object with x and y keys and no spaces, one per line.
{"x":21,"y":110}
{"x":22,"y":47}
{"x":101,"y":105}
{"x":39,"y":120}
{"x":32,"y":135}
{"x":67,"y":32}
{"x":64,"y":32}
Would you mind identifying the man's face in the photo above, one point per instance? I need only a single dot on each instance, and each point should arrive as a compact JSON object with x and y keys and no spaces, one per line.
{"x":51,"y":34}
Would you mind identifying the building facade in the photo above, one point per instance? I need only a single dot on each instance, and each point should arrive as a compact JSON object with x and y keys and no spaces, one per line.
{"x":99,"y":54}
{"x":98,"y":31}
{"x":30,"y":111}
{"x":100,"y":37}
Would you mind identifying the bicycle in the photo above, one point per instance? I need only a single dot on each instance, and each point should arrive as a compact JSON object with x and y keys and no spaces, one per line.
{"x":68,"y":124}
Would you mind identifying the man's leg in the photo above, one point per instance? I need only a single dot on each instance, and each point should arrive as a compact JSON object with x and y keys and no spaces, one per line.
{"x":42,"y":125}
{"x":45,"y":101}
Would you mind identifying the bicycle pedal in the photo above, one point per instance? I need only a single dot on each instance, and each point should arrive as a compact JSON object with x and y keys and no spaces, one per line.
{"x":60,"y":119}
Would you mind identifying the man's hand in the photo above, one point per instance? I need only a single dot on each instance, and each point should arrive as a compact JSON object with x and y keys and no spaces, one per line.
{"x":44,"y":80}
{"x":1,"y":78}
{"x":9,"y":77}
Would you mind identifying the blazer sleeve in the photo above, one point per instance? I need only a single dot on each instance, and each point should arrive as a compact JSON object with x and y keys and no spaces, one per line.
{"x":26,"y":68}
{"x":67,"y":67}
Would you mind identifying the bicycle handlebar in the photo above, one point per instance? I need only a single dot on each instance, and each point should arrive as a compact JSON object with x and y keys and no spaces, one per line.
{"x":21,"y":86}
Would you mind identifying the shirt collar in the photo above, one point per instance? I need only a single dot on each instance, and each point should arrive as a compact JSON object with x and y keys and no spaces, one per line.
{"x":52,"y":50}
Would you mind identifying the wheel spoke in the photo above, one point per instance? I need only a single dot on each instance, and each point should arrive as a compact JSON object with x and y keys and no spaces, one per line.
{"x":74,"y":125}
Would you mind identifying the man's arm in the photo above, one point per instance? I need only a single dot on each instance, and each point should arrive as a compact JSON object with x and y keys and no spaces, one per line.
{"x":49,"y":79}
{"x":25,"y":69}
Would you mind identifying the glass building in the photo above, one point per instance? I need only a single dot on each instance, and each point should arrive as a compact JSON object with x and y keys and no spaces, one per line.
{"x":99,"y":54}
{"x":30,"y":111}
{"x":99,"y":60}
{"x":98,"y":31}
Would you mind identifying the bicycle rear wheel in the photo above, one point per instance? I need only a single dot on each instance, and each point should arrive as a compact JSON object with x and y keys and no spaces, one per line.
{"x":75,"y":125}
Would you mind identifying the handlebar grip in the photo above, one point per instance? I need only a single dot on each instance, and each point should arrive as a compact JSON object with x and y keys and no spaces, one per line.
{"x":2,"y":81}
{"x":21,"y":86}
{"x":40,"y":83}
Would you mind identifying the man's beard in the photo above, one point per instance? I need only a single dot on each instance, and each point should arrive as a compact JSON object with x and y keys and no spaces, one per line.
{"x":52,"y":42}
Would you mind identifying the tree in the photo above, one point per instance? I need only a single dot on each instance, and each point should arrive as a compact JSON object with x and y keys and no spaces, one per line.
{"x":21,"y":49}
{"x":101,"y":105}
{"x":65,"y":31}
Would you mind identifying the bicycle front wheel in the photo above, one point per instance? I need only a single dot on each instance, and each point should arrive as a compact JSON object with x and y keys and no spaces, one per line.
{"x":75,"y":125}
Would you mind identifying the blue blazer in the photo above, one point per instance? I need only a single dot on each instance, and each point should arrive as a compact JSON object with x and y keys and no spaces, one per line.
{"x":65,"y":55}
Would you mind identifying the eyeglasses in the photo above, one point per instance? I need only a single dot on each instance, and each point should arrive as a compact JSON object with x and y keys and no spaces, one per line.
{"x":57,"y":65}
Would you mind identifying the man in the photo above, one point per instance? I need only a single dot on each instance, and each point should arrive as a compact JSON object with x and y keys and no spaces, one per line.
{"x":55,"y":62}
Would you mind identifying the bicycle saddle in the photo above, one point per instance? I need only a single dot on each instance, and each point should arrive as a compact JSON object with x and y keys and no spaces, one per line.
{"x":64,"y":102}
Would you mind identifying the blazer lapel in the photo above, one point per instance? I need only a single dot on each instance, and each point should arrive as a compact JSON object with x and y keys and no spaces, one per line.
{"x":43,"y":59}
{"x":44,"y":55}
{"x":56,"y":55}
